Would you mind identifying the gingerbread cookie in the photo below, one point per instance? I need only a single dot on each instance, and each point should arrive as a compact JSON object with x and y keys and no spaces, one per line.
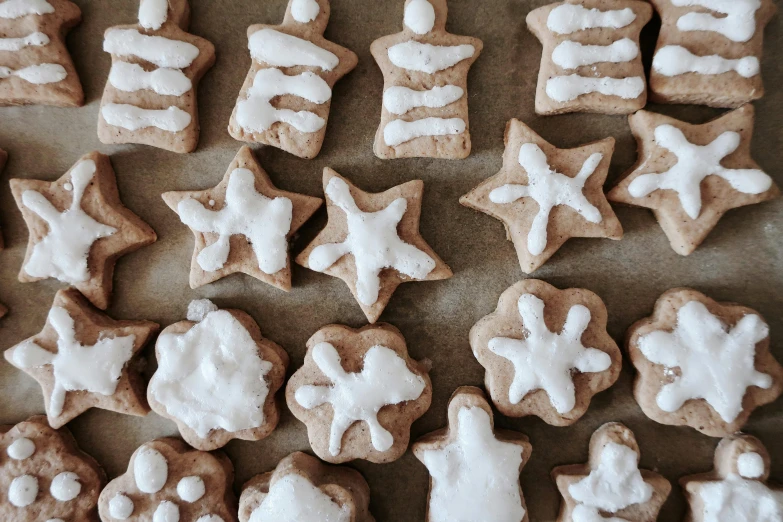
{"x":546,"y":351}
{"x":540,"y":207}
{"x":44,"y":477}
{"x":610,"y":487}
{"x":372,"y":242}
{"x":359,"y":392}
{"x":591,"y":60}
{"x":303,"y":489}
{"x":690,"y":175}
{"x":35,"y":67}
{"x":84,"y":359}
{"x":242,"y":225}
{"x":701,"y":363}
{"x":287,"y":94}
{"x":708,"y":51}
{"x":425,"y":75}
{"x":737,"y":489}
{"x":78,"y":227}
{"x":168,"y":481}
{"x":150,"y":97}
{"x":474,"y":468}
{"x":217,"y":377}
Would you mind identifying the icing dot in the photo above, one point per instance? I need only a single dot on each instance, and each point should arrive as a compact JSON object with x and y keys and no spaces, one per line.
{"x":210,"y":518}
{"x":68,"y":187}
{"x":750,"y":465}
{"x":190,"y":489}
{"x":211,"y":202}
{"x":198,"y":309}
{"x":166,"y":512}
{"x":23,"y":491}
{"x":419,"y":16}
{"x":150,"y":471}
{"x":21,"y":449}
{"x":65,"y":486}
{"x":120,"y":507}
{"x":305,"y":11}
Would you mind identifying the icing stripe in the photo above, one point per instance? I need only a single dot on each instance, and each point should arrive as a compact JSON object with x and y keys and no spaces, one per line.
{"x":567,"y":88}
{"x":738,"y":24}
{"x":11,"y":9}
{"x":428,"y":58}
{"x":570,"y":55}
{"x":17,"y":44}
{"x":159,"y":50}
{"x":134,"y":118}
{"x":399,"y":131}
{"x":283,"y":50}
{"x":153,"y":13}
{"x":37,"y":74}
{"x":399,"y":100}
{"x":673,"y":60}
{"x":131,"y":77}
{"x":570,"y":18}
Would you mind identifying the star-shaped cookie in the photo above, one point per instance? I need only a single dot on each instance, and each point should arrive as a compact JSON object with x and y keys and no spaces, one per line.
{"x":78,"y":227}
{"x":372,"y":242}
{"x":690,"y":175}
{"x":242,"y":225}
{"x":545,"y":195}
{"x":84,"y":359}
{"x":610,"y":484}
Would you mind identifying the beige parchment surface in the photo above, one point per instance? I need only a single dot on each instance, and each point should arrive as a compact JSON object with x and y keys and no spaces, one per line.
{"x":742,"y":260}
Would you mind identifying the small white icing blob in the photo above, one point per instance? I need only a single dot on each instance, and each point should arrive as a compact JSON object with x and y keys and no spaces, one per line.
{"x":68,"y":186}
{"x":737,"y":23}
{"x":358,"y":397}
{"x":134,"y":118}
{"x":475,"y":477}
{"x":548,"y":188}
{"x":305,"y":11}
{"x":399,"y":100}
{"x":570,"y":55}
{"x":293,"y":498}
{"x":570,"y":18}
{"x":131,"y":77}
{"x":566,"y":88}
{"x":428,"y":58}
{"x":11,"y":9}
{"x":166,"y":511}
{"x":150,"y":470}
{"x":191,"y":489}
{"x":750,"y":465}
{"x":23,"y":490}
{"x":398,"y":132}
{"x":673,"y":60}
{"x":716,"y":363}
{"x":419,"y":16}
{"x":36,"y":39}
{"x":40,"y":74}
{"x":374,"y":243}
{"x":120,"y":507}
{"x":159,"y":50}
{"x":20,"y":449}
{"x":153,"y":13}
{"x":212,"y":376}
{"x":198,"y":309}
{"x":736,"y":499}
{"x":96,"y":368}
{"x":694,"y":163}
{"x":210,"y":518}
{"x":65,"y":486}
{"x":283,"y":50}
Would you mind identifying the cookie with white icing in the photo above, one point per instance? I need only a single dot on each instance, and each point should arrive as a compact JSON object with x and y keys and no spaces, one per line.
{"x":150,"y":95}
{"x":474,"y":468}
{"x":372,"y":242}
{"x":287,"y":94}
{"x":545,"y":195}
{"x":709,"y":51}
{"x":78,"y":228}
{"x":610,"y":486}
{"x":217,"y":377}
{"x":84,"y":359}
{"x":690,"y":175}
{"x":591,"y":60}
{"x":168,"y":481}
{"x":303,"y":489}
{"x":546,"y":351}
{"x":702,"y":363}
{"x":425,"y":94}
{"x":45,"y":477}
{"x":242,"y":225}
{"x":35,"y":66}
{"x":738,"y":488}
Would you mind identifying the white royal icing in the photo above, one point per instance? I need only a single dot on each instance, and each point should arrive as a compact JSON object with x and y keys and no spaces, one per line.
{"x":264,"y":222}
{"x":673,"y":60}
{"x":158,"y":50}
{"x":716,"y":363}
{"x":358,"y":397}
{"x":570,"y":55}
{"x":191,"y":489}
{"x":166,"y":511}
{"x":131,"y":77}
{"x":293,"y":498}
{"x":210,"y":518}
{"x":399,"y":100}
{"x":36,"y":39}
{"x":11,"y":9}
{"x":65,"y":486}
{"x":567,"y":88}
{"x":120,"y":507}
{"x":150,"y":470}
{"x":153,"y":13}
{"x":428,"y":58}
{"x":751,"y":465}
{"x":374,"y":243}
{"x":475,"y":477}
{"x":397,"y":132}
{"x":20,"y":449}
{"x":23,"y":490}
{"x":543,"y":360}
{"x":570,"y":18}
{"x":305,"y":11}
{"x":198,"y":309}
{"x":134,"y":118}
{"x":212,"y":376}
{"x":94,"y":368}
{"x":694,"y":163}
{"x":738,"y":499}
{"x":737,"y":23}
{"x":548,"y":188}
{"x":256,"y":113}
{"x":419,"y":16}
{"x":40,"y":74}
{"x":283,"y":50}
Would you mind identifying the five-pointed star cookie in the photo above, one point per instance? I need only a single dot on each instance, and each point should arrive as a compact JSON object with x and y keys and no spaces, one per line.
{"x":84,"y":359}
{"x":372,"y":242}
{"x":242,"y":225}
{"x":610,"y":484}
{"x":78,"y":227}
{"x":545,"y":195}
{"x":690,"y":175}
